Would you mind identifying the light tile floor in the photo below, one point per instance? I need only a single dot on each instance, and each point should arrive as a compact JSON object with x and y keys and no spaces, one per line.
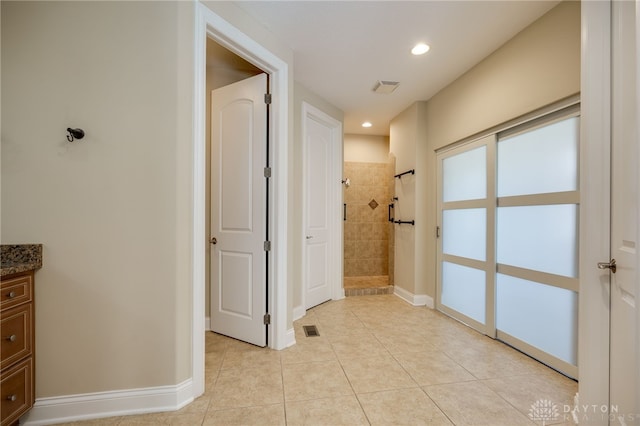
{"x":377,"y":361}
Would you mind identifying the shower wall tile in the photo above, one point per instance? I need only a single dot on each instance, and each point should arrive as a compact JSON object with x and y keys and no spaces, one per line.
{"x":349,"y":250}
{"x":366,"y":230}
{"x":391,"y":187}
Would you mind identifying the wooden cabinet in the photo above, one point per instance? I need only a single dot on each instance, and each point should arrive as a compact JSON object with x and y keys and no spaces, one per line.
{"x":17,"y":346}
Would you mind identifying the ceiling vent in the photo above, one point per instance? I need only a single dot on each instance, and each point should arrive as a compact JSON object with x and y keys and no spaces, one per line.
{"x":385,"y":87}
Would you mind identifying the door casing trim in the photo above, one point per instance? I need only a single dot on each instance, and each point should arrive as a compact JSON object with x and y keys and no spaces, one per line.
{"x":210,"y":25}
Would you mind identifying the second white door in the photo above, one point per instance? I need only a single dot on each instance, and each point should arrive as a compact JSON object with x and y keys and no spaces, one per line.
{"x":322,"y":214}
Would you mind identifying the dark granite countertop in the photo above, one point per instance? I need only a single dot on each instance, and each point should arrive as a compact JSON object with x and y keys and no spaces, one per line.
{"x":16,"y":258}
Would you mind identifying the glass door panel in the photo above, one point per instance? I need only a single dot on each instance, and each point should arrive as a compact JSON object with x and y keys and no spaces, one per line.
{"x":465,"y":176}
{"x":541,"y":238}
{"x":543,"y":316}
{"x":464,"y":233}
{"x":463,"y":289}
{"x":539,"y":161}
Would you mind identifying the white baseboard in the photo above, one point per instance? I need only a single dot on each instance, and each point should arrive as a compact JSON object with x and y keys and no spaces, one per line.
{"x":299,"y":312}
{"x":413,"y":299}
{"x":207,"y":323}
{"x":291,"y":338}
{"x":109,"y":404}
{"x":423,"y":300}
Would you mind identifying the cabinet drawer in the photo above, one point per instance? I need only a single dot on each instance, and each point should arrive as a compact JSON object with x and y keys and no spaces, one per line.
{"x":16,"y":391}
{"x":15,"y":291}
{"x":16,"y":335}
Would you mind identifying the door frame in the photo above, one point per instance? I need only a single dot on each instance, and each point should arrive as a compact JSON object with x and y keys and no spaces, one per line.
{"x":210,"y":25}
{"x":595,"y":184}
{"x":335,"y":228}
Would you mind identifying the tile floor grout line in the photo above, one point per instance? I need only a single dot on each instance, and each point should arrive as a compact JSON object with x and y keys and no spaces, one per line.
{"x":504,"y":399}
{"x":284,"y":399}
{"x":438,"y":406}
{"x":362,"y":408}
{"x":352,"y":388}
{"x":461,"y":366}
{"x":379,"y":316}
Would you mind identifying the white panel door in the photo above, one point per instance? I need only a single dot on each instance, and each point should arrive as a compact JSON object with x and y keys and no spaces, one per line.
{"x":322,"y":208}
{"x":624,"y":369}
{"x":239,"y":210}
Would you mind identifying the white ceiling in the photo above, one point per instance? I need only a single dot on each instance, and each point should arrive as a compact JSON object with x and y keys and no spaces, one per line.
{"x":342,"y":48}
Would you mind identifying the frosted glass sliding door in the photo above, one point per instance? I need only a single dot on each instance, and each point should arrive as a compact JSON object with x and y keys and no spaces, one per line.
{"x":537,"y":242}
{"x":465,"y":286}
{"x":508,"y":229}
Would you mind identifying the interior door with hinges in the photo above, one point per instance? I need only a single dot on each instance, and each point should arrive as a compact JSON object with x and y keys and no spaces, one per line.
{"x":239,"y":210}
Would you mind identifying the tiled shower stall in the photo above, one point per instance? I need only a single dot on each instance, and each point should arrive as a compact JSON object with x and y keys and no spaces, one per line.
{"x":368,"y":234}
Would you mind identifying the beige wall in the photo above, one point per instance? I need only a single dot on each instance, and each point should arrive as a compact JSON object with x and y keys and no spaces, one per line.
{"x":402,"y":144}
{"x":301,"y":94}
{"x":113,"y":210}
{"x":113,"y":298}
{"x":366,"y":148}
{"x":539,"y":66}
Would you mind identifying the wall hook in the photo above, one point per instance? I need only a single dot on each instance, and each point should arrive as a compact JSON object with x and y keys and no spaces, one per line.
{"x":74,"y":134}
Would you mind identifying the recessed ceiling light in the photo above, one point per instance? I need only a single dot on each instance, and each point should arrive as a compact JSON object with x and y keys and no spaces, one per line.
{"x":367,"y":124}
{"x":420,"y":49}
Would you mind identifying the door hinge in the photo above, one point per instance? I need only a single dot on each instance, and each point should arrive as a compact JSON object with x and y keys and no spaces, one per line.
{"x":267,"y":246}
{"x":267,"y":319}
{"x":267,"y":172}
{"x":437,"y":232}
{"x":267,"y":98}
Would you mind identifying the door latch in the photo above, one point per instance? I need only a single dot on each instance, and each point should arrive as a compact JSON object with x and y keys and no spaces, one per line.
{"x":213,"y":240}
{"x":608,"y":265}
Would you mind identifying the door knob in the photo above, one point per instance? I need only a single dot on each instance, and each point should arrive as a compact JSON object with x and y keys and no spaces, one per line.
{"x":213,"y":240}
{"x":608,"y":265}
{"x":309,"y":237}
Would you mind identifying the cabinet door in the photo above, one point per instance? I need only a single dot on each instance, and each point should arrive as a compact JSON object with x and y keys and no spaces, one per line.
{"x":16,"y":391}
{"x":15,"y":329}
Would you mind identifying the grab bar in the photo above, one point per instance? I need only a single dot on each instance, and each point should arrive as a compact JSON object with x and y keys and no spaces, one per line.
{"x":412,"y":171}
{"x":408,"y":222}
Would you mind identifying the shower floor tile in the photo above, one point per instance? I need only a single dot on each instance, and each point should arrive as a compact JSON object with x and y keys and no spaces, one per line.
{"x":367,"y":286}
{"x":366,"y":282}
